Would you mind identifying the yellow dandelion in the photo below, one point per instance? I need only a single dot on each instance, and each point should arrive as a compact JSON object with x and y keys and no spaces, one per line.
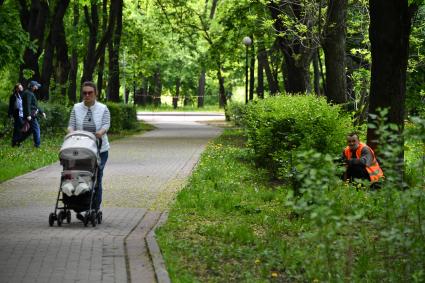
{"x":274,"y":274}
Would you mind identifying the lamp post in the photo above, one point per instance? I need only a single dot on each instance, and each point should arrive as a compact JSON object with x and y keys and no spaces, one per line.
{"x":247,"y":41}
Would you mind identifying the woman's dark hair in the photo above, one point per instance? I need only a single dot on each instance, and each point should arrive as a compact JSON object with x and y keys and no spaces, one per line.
{"x":16,"y":88}
{"x":90,"y":84}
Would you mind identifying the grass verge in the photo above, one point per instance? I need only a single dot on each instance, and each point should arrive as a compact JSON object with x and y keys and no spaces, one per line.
{"x":229,"y":224}
{"x":225,"y":224}
{"x":16,"y":161}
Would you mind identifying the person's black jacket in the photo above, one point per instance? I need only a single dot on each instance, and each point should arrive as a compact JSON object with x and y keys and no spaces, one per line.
{"x":29,"y":104}
{"x":13,"y":112}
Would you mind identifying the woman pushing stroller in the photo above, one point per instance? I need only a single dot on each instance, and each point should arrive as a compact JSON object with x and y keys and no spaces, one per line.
{"x":92,"y":116}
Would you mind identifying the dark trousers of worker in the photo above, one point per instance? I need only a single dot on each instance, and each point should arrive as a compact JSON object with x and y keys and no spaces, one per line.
{"x":99,"y":188}
{"x":357,"y":171}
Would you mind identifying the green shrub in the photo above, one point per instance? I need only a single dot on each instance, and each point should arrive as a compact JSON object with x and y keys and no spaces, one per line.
{"x":5,"y":124}
{"x":123,"y":117}
{"x":236,"y":111}
{"x":278,"y":127}
{"x":57,"y":117}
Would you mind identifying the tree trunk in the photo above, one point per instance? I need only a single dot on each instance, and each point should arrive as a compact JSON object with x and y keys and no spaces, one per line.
{"x":297,"y":55}
{"x":56,"y":41}
{"x":101,"y":67}
{"x":201,"y":89}
{"x":389,"y":45}
{"x":297,"y":75}
{"x":33,"y":21}
{"x":222,"y":91}
{"x":260,"y":78}
{"x":94,"y":50}
{"x":316,"y":72}
{"x":176,"y":96}
{"x":114,"y":47}
{"x":263,"y":57}
{"x":251,"y":72}
{"x":334,"y":48}
{"x":157,"y":88}
{"x":72,"y":91}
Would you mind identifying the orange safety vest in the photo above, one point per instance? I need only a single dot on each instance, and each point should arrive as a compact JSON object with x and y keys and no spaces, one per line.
{"x":375,"y":172}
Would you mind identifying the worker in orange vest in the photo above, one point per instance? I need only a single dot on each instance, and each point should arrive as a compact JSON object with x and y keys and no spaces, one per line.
{"x":360,"y":161}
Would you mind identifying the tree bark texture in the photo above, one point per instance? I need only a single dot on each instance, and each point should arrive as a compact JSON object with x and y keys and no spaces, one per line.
{"x":114,"y":48}
{"x":297,"y":54}
{"x":94,"y":49}
{"x":157,"y":88}
{"x":33,"y":21}
{"x":316,"y":70}
{"x":176,"y":96}
{"x":260,"y":78}
{"x":389,"y":46}
{"x":55,"y":45}
{"x":251,"y":73}
{"x":72,"y":90}
{"x":101,"y":66}
{"x":264,"y":59}
{"x":334,"y":49}
{"x":201,"y":89}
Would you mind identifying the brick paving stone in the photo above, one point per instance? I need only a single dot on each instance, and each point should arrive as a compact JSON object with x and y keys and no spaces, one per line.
{"x":142,"y":176}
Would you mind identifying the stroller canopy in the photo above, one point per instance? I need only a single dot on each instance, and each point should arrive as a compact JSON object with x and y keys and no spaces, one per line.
{"x":79,"y":145}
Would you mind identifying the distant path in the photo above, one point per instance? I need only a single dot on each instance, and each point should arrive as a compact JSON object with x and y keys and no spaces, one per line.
{"x":142,"y":176}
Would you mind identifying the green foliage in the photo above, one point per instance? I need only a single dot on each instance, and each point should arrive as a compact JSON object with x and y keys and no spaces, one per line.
{"x":13,"y":39}
{"x":230,"y":224}
{"x":123,"y":117}
{"x":57,"y":117}
{"x":279,"y":125}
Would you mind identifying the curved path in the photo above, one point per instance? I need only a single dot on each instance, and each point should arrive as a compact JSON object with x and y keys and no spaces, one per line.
{"x":142,"y":176}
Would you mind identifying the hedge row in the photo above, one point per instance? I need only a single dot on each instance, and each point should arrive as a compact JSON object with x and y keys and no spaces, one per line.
{"x":123,"y":117}
{"x":280,"y":127}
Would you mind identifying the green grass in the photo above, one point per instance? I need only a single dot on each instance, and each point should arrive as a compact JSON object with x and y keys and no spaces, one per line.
{"x":230,"y":224}
{"x":15,"y":161}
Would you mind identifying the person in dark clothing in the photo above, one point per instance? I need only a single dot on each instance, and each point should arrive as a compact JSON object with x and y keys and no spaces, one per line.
{"x":16,"y":112}
{"x":360,"y":161}
{"x":31,"y":110}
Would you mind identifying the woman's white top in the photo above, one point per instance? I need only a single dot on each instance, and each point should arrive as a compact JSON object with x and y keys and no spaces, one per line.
{"x":100,"y":115}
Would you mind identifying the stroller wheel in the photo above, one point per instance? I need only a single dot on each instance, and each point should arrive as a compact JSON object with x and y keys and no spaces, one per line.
{"x":99,"y":217}
{"x":68,"y":217}
{"x":86,"y":219}
{"x":93,"y":218}
{"x":60,"y":218}
{"x":51,"y":219}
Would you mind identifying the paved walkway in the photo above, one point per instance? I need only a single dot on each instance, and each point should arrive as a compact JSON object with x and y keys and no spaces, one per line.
{"x":142,"y":176}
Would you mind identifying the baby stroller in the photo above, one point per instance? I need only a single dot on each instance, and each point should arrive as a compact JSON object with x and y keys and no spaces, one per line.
{"x":79,"y":156}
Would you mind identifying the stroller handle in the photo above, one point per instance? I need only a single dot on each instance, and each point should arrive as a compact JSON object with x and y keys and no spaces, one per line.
{"x":99,"y":143}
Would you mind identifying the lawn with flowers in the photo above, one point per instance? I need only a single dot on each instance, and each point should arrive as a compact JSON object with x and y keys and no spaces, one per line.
{"x":231,"y":223}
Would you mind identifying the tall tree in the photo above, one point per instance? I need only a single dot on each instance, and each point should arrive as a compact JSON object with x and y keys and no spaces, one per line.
{"x":334,"y":48}
{"x":114,"y":50}
{"x":101,"y":65}
{"x":72,"y":90}
{"x":55,"y":45}
{"x":95,"y":49}
{"x":293,"y":22}
{"x":33,"y":20}
{"x":389,"y":45}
